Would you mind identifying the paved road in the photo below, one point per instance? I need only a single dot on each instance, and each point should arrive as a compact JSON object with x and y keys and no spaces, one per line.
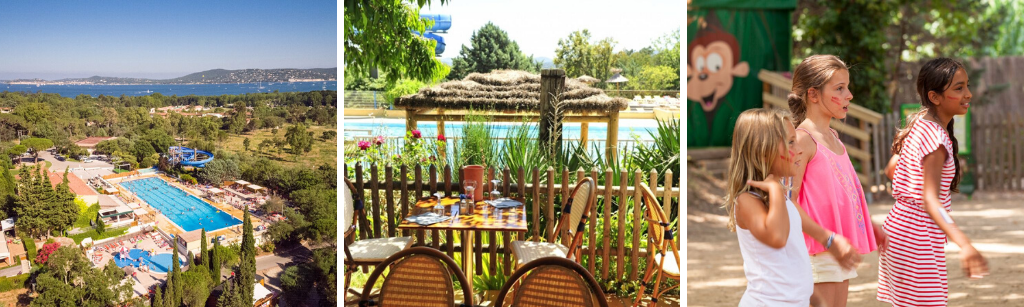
{"x":61,"y":165}
{"x":272,"y":266}
{"x":11,"y":271}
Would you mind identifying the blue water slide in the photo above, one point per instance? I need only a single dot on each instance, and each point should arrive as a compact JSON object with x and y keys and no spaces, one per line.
{"x":439,"y":48}
{"x":189,"y":156}
{"x":442,"y":22}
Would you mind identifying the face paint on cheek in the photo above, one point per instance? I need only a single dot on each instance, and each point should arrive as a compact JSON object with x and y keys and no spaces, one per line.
{"x":836,"y":101}
{"x":953,"y":98}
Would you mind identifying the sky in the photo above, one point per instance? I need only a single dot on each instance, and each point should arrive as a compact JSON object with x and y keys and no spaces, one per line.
{"x":163,"y":39}
{"x":538,"y":25}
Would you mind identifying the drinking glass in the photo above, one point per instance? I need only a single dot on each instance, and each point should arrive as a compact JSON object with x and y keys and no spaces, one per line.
{"x":470,"y":188}
{"x":495,"y":195}
{"x":438,"y":208}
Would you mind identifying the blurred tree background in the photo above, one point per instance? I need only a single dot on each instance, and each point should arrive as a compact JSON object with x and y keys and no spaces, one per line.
{"x":877,"y":38}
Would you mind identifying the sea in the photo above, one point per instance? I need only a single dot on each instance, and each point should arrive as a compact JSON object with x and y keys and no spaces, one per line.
{"x":172,"y":89}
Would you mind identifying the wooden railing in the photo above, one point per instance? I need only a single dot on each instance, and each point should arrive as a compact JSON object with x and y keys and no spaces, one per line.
{"x":390,"y":198}
{"x":778,"y":87}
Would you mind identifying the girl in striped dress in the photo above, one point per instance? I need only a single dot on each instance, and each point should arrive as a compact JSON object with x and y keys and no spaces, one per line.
{"x":912,"y":271}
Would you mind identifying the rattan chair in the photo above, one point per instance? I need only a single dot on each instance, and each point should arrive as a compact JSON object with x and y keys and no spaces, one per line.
{"x":574,"y":217}
{"x":366,"y":252}
{"x":552,"y":281}
{"x":419,"y":276}
{"x":660,"y":240}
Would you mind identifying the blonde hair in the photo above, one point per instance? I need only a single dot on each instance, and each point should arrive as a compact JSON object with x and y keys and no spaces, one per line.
{"x":813,"y":72}
{"x":755,"y":144}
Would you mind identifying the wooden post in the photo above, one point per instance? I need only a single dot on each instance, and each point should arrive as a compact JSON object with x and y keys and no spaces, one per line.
{"x":584,"y":132}
{"x":440,"y":131}
{"x":612,"y":144}
{"x":552,"y":81}
{"x":410,"y":120}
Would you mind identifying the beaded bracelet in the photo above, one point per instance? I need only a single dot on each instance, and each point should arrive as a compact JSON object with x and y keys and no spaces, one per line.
{"x":829,"y":243}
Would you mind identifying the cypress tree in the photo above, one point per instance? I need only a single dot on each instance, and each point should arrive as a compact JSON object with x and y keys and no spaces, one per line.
{"x":176,"y":275}
{"x":202,"y":250}
{"x":247,"y":267}
{"x":158,"y":298}
{"x":215,"y":264}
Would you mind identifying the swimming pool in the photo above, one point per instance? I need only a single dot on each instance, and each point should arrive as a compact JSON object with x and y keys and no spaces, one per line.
{"x":392,"y":128}
{"x":159,"y":263}
{"x":185,"y":210}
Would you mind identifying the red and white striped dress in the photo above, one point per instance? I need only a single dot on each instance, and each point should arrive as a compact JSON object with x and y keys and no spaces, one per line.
{"x":912,"y":271}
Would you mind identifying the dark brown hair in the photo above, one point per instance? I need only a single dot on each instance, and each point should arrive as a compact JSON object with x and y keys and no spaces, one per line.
{"x":935,"y":76}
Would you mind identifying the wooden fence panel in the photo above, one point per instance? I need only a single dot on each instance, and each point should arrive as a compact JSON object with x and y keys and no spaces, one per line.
{"x":390,"y":203}
{"x":404,"y":201}
{"x":449,"y":241}
{"x":592,"y":221}
{"x":620,"y":265}
{"x":536,"y":206}
{"x":420,"y":234}
{"x":389,"y":179}
{"x":606,"y":234}
{"x":435,"y":236}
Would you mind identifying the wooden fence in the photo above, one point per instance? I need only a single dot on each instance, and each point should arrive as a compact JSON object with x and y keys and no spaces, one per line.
{"x":391,"y":197}
{"x":997,"y":138}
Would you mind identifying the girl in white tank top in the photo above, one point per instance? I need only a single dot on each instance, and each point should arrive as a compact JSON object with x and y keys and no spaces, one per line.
{"x":768,"y":225}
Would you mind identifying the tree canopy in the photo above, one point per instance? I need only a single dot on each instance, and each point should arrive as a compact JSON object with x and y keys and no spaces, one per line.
{"x":68,"y":279}
{"x":578,"y":56}
{"x":490,"y":48}
{"x":373,"y":29}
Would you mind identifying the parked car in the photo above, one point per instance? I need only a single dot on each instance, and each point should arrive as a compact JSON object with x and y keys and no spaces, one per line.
{"x":87,"y":160}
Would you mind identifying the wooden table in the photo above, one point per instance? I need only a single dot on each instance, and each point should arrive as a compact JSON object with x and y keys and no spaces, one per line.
{"x":482,"y":219}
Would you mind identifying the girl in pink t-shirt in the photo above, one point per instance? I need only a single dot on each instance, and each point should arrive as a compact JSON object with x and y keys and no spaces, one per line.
{"x":825,"y":183}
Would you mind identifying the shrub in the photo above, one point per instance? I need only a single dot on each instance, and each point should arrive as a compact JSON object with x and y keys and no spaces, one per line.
{"x":100,"y":225}
{"x":30,"y":246}
{"x":268,"y":247}
{"x":189,"y":179}
{"x":13,"y":282}
{"x":44,"y":254}
{"x":95,"y":235}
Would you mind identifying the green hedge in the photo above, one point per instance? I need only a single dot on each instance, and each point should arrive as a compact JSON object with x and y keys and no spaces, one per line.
{"x":110,"y":233}
{"x":13,"y":282}
{"x":30,"y":247}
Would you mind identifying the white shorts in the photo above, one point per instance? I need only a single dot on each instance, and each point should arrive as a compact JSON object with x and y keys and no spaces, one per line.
{"x":825,"y":268}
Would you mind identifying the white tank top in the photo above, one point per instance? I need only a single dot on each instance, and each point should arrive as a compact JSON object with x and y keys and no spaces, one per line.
{"x":777,"y":276}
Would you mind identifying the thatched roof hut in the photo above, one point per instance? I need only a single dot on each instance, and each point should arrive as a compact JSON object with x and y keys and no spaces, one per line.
{"x":508,"y":90}
{"x":587,"y":79}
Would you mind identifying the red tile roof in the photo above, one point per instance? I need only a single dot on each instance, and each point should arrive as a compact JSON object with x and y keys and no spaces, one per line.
{"x":76,"y":184}
{"x":92,"y":141}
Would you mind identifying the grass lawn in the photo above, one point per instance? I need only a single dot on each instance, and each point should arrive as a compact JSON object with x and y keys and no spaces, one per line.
{"x":323,"y":152}
{"x":110,"y":233}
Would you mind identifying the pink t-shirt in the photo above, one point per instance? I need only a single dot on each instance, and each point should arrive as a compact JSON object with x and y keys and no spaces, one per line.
{"x":832,"y":196}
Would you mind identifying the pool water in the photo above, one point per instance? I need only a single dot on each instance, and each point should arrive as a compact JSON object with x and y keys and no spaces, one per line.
{"x":159,"y":263}
{"x":185,"y":210}
{"x":498,"y":130}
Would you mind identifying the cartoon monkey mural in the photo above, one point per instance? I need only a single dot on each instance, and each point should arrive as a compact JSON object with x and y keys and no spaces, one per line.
{"x":714,"y":60}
